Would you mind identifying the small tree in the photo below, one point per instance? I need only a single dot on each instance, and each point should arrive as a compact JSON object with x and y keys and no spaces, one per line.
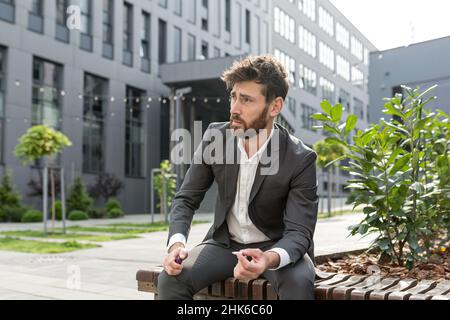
{"x":42,"y":142}
{"x":165,"y":185}
{"x":327,"y":156}
{"x":400,"y":174}
{"x":78,"y":199}
{"x":8,"y":194}
{"x":106,"y":186}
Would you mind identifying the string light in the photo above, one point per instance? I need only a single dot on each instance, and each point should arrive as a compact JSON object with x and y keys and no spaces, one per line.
{"x":17,"y":83}
{"x":112,"y":99}
{"x":218,"y":100}
{"x":149,"y":99}
{"x":194,"y":99}
{"x":205,"y":100}
{"x":63,"y":93}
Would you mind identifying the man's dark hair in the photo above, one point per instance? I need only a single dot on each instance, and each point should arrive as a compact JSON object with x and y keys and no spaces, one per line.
{"x":265,"y":70}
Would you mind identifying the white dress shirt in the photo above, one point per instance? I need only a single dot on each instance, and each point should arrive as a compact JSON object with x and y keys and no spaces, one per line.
{"x":240,"y":227}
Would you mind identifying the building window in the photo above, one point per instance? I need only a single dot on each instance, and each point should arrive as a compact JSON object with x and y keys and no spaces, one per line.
{"x":357,"y":48}
{"x":205,"y":50}
{"x":134,"y":134}
{"x":163,"y":3}
{"x":127,"y":34}
{"x":357,"y":77}
{"x":94,"y":109}
{"x":216,"y":52}
{"x":192,"y":12}
{"x":191,"y":47}
{"x":35,"y":17}
{"x":178,"y":7}
{"x":328,"y":90}
{"x":248,"y":24}
{"x":307,"y":41}
{"x":343,"y":67}
{"x":308,"y":79}
{"x":7,"y":10}
{"x":108,"y":33}
{"x":283,"y":122}
{"x":47,"y":87}
{"x":86,"y":25}
{"x":326,"y":21}
{"x":289,"y":64}
{"x":2,"y":99}
{"x":342,"y":36}
{"x":366,"y":56}
{"x":358,"y":108}
{"x":307,"y":122}
{"x":344,"y":99}
{"x":308,"y":7}
{"x":162,"y":53}
{"x":61,"y":33}
{"x":178,"y":44}
{"x":205,"y":22}
{"x":145,"y":42}
{"x":292,"y":105}
{"x":228,"y":15}
{"x":326,"y":56}
{"x":284,"y":25}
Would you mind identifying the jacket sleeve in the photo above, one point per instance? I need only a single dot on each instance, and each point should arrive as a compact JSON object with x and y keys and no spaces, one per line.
{"x":300,"y":215}
{"x":198,"y":179}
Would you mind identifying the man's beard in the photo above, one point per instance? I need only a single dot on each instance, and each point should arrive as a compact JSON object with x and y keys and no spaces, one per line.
{"x":244,"y":130}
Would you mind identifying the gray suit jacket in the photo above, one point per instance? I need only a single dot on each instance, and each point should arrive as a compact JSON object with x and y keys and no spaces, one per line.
{"x":283,"y":205}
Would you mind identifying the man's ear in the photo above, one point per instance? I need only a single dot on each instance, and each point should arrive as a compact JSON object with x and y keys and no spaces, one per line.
{"x":277,"y":106}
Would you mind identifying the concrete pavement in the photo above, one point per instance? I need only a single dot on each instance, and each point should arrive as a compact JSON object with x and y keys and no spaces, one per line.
{"x":109,"y":272}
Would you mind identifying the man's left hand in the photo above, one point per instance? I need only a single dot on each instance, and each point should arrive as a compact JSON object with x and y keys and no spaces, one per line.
{"x":260,"y":262}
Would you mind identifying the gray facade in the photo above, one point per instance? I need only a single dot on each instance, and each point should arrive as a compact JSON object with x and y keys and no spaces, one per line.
{"x":114,"y":50}
{"x":326,"y":50}
{"x":419,"y":65}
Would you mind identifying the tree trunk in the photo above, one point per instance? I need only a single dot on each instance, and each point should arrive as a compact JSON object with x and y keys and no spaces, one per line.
{"x":329,"y":190}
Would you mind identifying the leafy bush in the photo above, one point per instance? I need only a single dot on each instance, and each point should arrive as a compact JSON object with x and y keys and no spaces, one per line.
{"x":106,"y":186}
{"x":8,"y":195}
{"x":78,"y":198}
{"x":58,"y":210}
{"x":401,"y":174}
{"x":112,"y":204}
{"x":115,"y":213}
{"x":77,"y":215}
{"x":96,"y":213}
{"x":32,"y":216}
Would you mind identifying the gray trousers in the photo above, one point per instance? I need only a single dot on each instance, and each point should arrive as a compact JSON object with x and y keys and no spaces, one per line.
{"x":211,"y":262}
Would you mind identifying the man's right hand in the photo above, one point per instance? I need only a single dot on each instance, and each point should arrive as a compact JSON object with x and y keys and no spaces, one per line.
{"x":171,"y":267}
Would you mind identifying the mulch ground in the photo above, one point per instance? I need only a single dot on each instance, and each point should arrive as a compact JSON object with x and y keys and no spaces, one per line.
{"x":436,"y":268}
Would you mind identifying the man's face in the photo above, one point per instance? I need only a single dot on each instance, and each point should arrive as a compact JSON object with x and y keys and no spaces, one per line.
{"x":248,"y":108}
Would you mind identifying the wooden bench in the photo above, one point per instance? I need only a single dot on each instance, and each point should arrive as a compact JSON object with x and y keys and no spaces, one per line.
{"x":328,"y":286}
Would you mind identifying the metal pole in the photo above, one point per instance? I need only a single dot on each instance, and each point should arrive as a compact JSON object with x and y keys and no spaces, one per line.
{"x":45,"y":196}
{"x":63,"y":201}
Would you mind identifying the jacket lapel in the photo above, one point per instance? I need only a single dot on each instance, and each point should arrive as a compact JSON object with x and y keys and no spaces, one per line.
{"x":269,"y":163}
{"x":231,"y":170}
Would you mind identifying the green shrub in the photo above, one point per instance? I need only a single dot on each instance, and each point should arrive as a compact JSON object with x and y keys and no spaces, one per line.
{"x":115,"y":213}
{"x":11,"y":213}
{"x":8,"y":194}
{"x":78,"y":198}
{"x":77,"y":215}
{"x":58,"y":210}
{"x":96,"y":213}
{"x":32,"y":216}
{"x":113,"y":204}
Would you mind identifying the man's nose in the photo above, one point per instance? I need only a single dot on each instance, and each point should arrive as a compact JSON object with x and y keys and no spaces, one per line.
{"x":235,"y":107}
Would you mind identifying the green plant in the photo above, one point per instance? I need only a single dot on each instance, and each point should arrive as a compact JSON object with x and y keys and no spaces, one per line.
{"x":32,"y":216}
{"x":8,"y":194}
{"x":113,"y":204}
{"x":58,"y":210}
{"x":96,"y":213}
{"x":115,"y":213}
{"x":398,"y":174}
{"x":327,"y":153}
{"x":77,"y":215}
{"x":168,"y":179}
{"x":78,"y":198}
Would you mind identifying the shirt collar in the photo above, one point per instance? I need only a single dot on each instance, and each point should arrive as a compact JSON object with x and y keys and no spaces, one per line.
{"x":261,"y":149}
